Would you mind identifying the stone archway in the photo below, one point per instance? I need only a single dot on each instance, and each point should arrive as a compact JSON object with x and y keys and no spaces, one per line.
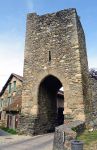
{"x":47,"y":102}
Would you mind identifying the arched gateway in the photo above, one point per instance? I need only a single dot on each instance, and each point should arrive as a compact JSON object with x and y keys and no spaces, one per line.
{"x":47,"y":103}
{"x":55,"y":56}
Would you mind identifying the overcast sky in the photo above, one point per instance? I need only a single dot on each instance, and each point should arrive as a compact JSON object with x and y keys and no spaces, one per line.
{"x":13,"y":25}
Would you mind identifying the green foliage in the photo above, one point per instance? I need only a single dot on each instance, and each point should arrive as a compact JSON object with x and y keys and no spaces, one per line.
{"x":11,"y":131}
{"x":74,"y":129}
{"x":88,"y":137}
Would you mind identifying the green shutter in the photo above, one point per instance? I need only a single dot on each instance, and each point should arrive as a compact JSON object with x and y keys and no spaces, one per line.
{"x":9,"y":87}
{"x":14,"y":85}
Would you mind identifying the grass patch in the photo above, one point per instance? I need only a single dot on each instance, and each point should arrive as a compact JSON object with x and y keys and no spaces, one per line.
{"x":88,"y":137}
{"x":11,"y":131}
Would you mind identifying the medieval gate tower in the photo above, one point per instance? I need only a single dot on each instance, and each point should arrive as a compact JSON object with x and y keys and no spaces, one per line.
{"x":55,"y":57}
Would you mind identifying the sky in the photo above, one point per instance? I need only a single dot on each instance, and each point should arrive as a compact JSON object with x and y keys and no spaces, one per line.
{"x":13,"y":27}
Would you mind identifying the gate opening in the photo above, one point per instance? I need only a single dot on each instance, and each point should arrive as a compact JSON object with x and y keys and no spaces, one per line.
{"x":51,"y":103}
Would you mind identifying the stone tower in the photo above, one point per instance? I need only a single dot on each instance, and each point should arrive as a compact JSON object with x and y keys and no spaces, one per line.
{"x":55,"y":57}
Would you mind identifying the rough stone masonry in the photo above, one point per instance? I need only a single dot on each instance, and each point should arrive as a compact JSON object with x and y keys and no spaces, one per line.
{"x":55,"y":57}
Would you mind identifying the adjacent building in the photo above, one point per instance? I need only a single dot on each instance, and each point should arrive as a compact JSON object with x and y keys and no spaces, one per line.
{"x":10,"y":101}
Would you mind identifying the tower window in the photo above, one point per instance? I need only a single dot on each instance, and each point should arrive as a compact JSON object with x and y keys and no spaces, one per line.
{"x":49,"y":56}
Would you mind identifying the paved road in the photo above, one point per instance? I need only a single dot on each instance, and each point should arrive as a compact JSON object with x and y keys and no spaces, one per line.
{"x":44,"y":142}
{"x":3,"y":133}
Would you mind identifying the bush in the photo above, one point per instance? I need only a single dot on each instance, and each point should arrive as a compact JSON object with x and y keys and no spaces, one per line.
{"x":93,"y":73}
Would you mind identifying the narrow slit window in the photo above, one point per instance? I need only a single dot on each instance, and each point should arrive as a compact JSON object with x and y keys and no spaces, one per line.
{"x":49,"y":56}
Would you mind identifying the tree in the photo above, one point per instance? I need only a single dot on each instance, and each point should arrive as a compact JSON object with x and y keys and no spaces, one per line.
{"x":93,"y":73}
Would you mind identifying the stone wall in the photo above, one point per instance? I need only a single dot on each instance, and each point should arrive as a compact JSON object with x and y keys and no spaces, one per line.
{"x":54,"y":47}
{"x":84,"y":70}
{"x":64,"y":135}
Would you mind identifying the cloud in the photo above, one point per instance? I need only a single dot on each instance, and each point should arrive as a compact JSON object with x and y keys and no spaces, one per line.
{"x":11,"y":55}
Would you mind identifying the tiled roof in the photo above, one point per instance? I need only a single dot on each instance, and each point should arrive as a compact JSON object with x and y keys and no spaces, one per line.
{"x":18,"y":76}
